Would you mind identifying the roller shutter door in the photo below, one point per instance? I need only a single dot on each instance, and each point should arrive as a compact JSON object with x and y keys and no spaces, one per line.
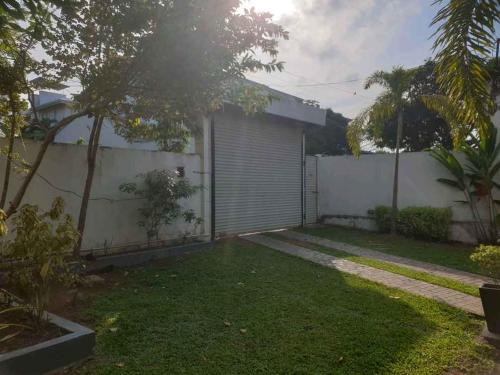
{"x":258,"y":173}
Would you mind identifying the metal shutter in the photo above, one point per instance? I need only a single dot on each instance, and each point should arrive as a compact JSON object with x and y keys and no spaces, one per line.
{"x":258,"y":173}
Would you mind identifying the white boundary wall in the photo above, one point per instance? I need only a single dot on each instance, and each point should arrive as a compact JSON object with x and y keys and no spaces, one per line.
{"x":111,"y":220}
{"x":349,"y":187}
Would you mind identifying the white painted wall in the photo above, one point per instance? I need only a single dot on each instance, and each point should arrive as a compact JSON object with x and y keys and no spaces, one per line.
{"x":349,"y":187}
{"x":110,"y":222}
{"x":80,"y":130}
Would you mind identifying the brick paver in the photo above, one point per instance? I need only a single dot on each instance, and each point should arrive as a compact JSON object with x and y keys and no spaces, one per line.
{"x":453,"y":298}
{"x":433,"y":269}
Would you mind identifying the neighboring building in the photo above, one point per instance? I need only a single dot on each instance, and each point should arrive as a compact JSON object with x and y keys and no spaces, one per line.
{"x":54,"y":107}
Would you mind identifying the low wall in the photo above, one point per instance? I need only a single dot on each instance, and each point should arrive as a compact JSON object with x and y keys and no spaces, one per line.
{"x":349,"y":187}
{"x":112,"y":216}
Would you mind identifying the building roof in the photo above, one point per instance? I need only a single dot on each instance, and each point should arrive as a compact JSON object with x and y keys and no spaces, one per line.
{"x":283,"y":105}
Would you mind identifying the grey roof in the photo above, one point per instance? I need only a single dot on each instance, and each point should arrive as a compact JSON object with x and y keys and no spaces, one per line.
{"x":283,"y":105}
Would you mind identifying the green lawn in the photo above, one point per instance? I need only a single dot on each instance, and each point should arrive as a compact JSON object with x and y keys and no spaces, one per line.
{"x":245,"y":309}
{"x":401,"y":270}
{"x":450,"y":255}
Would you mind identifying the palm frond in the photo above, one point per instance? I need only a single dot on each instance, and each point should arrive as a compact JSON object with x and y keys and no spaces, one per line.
{"x":465,"y":36}
{"x":356,"y":131}
{"x":377,"y":78}
{"x":450,"y":113}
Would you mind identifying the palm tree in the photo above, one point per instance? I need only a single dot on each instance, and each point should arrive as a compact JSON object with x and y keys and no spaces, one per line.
{"x":391,"y":102}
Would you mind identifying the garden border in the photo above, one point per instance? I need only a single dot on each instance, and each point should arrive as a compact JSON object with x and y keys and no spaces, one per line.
{"x":145,"y":256}
{"x":53,"y":354}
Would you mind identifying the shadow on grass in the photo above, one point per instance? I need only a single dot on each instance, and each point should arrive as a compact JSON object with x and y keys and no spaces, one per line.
{"x":244,"y":309}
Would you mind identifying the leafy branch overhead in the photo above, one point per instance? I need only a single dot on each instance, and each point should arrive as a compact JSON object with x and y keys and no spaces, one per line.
{"x":465,"y":38}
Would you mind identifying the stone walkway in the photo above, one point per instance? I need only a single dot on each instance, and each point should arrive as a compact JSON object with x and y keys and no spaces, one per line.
{"x":433,"y":269}
{"x":451,"y":297}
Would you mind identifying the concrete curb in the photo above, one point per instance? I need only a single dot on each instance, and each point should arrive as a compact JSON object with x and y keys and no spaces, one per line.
{"x":142,"y":257}
{"x":53,"y":354}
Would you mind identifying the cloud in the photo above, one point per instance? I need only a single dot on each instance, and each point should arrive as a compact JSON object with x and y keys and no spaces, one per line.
{"x":338,"y":40}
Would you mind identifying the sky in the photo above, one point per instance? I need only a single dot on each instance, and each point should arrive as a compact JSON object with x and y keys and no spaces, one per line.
{"x":345,"y":40}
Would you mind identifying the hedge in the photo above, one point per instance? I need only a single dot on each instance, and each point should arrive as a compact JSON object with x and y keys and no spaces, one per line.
{"x":423,"y":223}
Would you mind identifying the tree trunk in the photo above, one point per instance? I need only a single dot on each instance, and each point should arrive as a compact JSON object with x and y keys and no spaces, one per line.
{"x":10,"y":150}
{"x":49,"y":138}
{"x":394,"y":214}
{"x":91,"y":158}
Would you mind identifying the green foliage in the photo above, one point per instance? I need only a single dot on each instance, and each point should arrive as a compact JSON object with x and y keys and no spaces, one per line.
{"x":382,"y":216}
{"x":488,"y":258}
{"x":425,"y":223}
{"x":329,"y":139}
{"x":476,"y":178}
{"x":182,"y":55}
{"x":465,"y":38}
{"x":422,"y":223}
{"x":161,"y":191}
{"x":38,"y":254}
{"x":423,"y":127}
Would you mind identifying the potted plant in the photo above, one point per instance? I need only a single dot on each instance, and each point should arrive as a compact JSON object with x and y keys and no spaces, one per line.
{"x":488,"y":257}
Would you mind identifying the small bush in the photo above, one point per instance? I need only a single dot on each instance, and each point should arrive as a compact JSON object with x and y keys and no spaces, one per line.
{"x":423,"y":223}
{"x":488,"y":258}
{"x":161,"y":191}
{"x":382,"y":215}
{"x":38,"y":255}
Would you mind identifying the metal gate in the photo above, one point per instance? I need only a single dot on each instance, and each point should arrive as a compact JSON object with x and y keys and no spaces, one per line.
{"x":311,"y":190}
{"x":257,"y":174}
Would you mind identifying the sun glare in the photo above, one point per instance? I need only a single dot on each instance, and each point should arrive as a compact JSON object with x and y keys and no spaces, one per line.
{"x":277,"y":7}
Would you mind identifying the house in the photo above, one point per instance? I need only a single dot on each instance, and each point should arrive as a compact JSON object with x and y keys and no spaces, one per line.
{"x":54,"y":107}
{"x":252,"y":168}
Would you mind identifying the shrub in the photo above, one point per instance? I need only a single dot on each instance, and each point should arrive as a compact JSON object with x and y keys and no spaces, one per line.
{"x":38,"y":255}
{"x":382,"y":215}
{"x":488,"y":258}
{"x":161,"y":191}
{"x":423,"y":223}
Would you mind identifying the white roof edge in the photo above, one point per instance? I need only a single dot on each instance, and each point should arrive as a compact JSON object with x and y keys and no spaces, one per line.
{"x":293,"y":109}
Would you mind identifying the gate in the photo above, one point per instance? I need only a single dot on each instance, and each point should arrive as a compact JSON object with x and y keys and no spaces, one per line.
{"x":311,"y":190}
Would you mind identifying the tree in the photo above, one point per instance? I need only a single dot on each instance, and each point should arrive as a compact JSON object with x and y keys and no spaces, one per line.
{"x":424,"y":128}
{"x":465,"y":37}
{"x":329,"y":139}
{"x":392,"y":102}
{"x":12,"y":107}
{"x":157,"y":65}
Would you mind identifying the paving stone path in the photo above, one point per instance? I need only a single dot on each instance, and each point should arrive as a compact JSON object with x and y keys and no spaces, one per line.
{"x":433,"y":269}
{"x":451,"y":297}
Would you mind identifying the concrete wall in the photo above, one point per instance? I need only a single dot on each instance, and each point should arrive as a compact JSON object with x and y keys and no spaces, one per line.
{"x":349,"y":187}
{"x":112,"y":216}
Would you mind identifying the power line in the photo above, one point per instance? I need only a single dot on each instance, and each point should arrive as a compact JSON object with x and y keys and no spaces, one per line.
{"x":315,"y":83}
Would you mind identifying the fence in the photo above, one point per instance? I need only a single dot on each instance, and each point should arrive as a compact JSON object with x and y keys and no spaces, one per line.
{"x":112,"y":216}
{"x":349,"y":187}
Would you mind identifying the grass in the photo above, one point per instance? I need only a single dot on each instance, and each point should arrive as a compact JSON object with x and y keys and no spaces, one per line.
{"x":400,"y":270}
{"x":446,"y":254}
{"x":245,"y":309}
